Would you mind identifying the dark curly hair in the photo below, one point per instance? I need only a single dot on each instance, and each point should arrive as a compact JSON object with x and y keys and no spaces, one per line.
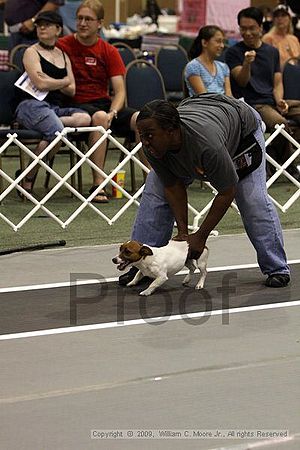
{"x":163,"y":111}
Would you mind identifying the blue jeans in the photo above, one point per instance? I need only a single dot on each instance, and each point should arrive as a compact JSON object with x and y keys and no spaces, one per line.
{"x":43,"y":117}
{"x":154,"y":221}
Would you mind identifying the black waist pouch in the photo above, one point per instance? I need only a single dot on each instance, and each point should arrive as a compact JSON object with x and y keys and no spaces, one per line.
{"x":248,"y":156}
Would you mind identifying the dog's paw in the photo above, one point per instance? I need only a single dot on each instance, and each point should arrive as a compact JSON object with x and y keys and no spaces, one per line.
{"x":146,"y":292}
{"x":186,"y":279}
{"x":199,"y":286}
{"x":131,"y":283}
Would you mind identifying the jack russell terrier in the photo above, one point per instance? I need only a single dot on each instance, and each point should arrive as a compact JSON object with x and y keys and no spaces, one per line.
{"x":160,"y":262}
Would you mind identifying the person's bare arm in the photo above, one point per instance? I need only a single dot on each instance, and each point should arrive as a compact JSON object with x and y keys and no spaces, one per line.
{"x":42,"y":81}
{"x":227,"y":87}
{"x":176,"y":196}
{"x":197,"y":84}
{"x":28,"y":25}
{"x":118,"y":98}
{"x":281,"y":104}
{"x":70,"y":88}
{"x":242,"y":74}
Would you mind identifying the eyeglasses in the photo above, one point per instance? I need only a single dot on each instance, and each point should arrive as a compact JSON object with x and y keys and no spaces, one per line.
{"x":252,"y":29}
{"x":86,"y":19}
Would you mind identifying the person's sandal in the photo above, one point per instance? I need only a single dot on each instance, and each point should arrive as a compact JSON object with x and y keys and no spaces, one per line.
{"x":100,"y":197}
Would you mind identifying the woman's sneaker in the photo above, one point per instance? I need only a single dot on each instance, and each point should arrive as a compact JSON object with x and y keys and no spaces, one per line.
{"x":278,"y":280}
{"x":128,"y":276}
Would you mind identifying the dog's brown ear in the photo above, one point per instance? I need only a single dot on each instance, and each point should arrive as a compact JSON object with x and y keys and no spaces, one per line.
{"x":145,"y":251}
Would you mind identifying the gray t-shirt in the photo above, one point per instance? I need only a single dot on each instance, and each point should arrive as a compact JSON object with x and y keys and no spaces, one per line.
{"x":212,"y":126}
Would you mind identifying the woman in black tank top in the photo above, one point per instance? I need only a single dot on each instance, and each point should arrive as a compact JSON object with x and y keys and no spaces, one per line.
{"x":45,"y":108}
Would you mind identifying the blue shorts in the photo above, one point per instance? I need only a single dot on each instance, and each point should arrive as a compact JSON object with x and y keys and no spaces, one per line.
{"x":43,"y":117}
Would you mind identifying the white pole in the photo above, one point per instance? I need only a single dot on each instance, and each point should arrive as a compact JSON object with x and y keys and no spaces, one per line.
{"x":117,"y":12}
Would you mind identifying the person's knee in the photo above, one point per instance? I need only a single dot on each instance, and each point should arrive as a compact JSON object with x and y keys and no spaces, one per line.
{"x":271,"y":117}
{"x":82,"y":119}
{"x":100,"y":118}
{"x":279,"y":119}
{"x":49,"y":125}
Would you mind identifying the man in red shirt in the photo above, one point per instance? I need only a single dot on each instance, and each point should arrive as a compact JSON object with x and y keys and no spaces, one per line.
{"x":97,"y":65}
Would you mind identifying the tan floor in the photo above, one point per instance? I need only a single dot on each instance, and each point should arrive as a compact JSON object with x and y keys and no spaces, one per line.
{"x":172,"y":377}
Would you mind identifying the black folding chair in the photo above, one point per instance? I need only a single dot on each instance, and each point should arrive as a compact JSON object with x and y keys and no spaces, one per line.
{"x":144,"y":83}
{"x":16,"y":55}
{"x":171,"y":61}
{"x":126,"y":52}
{"x":291,"y":79}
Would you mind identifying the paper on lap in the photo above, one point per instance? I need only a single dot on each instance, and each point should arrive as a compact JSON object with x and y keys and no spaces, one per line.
{"x":26,"y":85}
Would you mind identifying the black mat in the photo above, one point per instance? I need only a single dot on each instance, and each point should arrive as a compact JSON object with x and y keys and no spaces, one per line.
{"x":108,"y":302}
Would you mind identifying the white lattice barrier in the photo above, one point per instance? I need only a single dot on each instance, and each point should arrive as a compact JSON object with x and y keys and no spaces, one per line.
{"x":108,"y":178}
{"x":63,"y":181}
{"x":280,"y":170}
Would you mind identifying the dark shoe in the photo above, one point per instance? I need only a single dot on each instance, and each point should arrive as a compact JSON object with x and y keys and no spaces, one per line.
{"x":101,"y":197}
{"x":278,"y":280}
{"x":128,"y":276}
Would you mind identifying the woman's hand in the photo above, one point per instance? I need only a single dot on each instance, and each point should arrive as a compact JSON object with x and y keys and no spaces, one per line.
{"x":180,"y":237}
{"x":196,"y":245}
{"x":27,"y":26}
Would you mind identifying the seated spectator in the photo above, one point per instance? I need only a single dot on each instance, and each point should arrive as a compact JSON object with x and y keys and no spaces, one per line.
{"x":20,"y":17}
{"x":49,"y":69}
{"x":281,"y":35}
{"x":97,"y":66}
{"x":204,"y":73}
{"x":267,"y":18}
{"x":256,"y":76}
{"x":68,"y":13}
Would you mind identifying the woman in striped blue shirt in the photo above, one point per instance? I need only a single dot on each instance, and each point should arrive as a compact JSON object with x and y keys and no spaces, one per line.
{"x":204,"y":73}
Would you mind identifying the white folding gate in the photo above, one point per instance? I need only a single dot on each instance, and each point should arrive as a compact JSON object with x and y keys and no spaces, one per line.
{"x":12,"y":139}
